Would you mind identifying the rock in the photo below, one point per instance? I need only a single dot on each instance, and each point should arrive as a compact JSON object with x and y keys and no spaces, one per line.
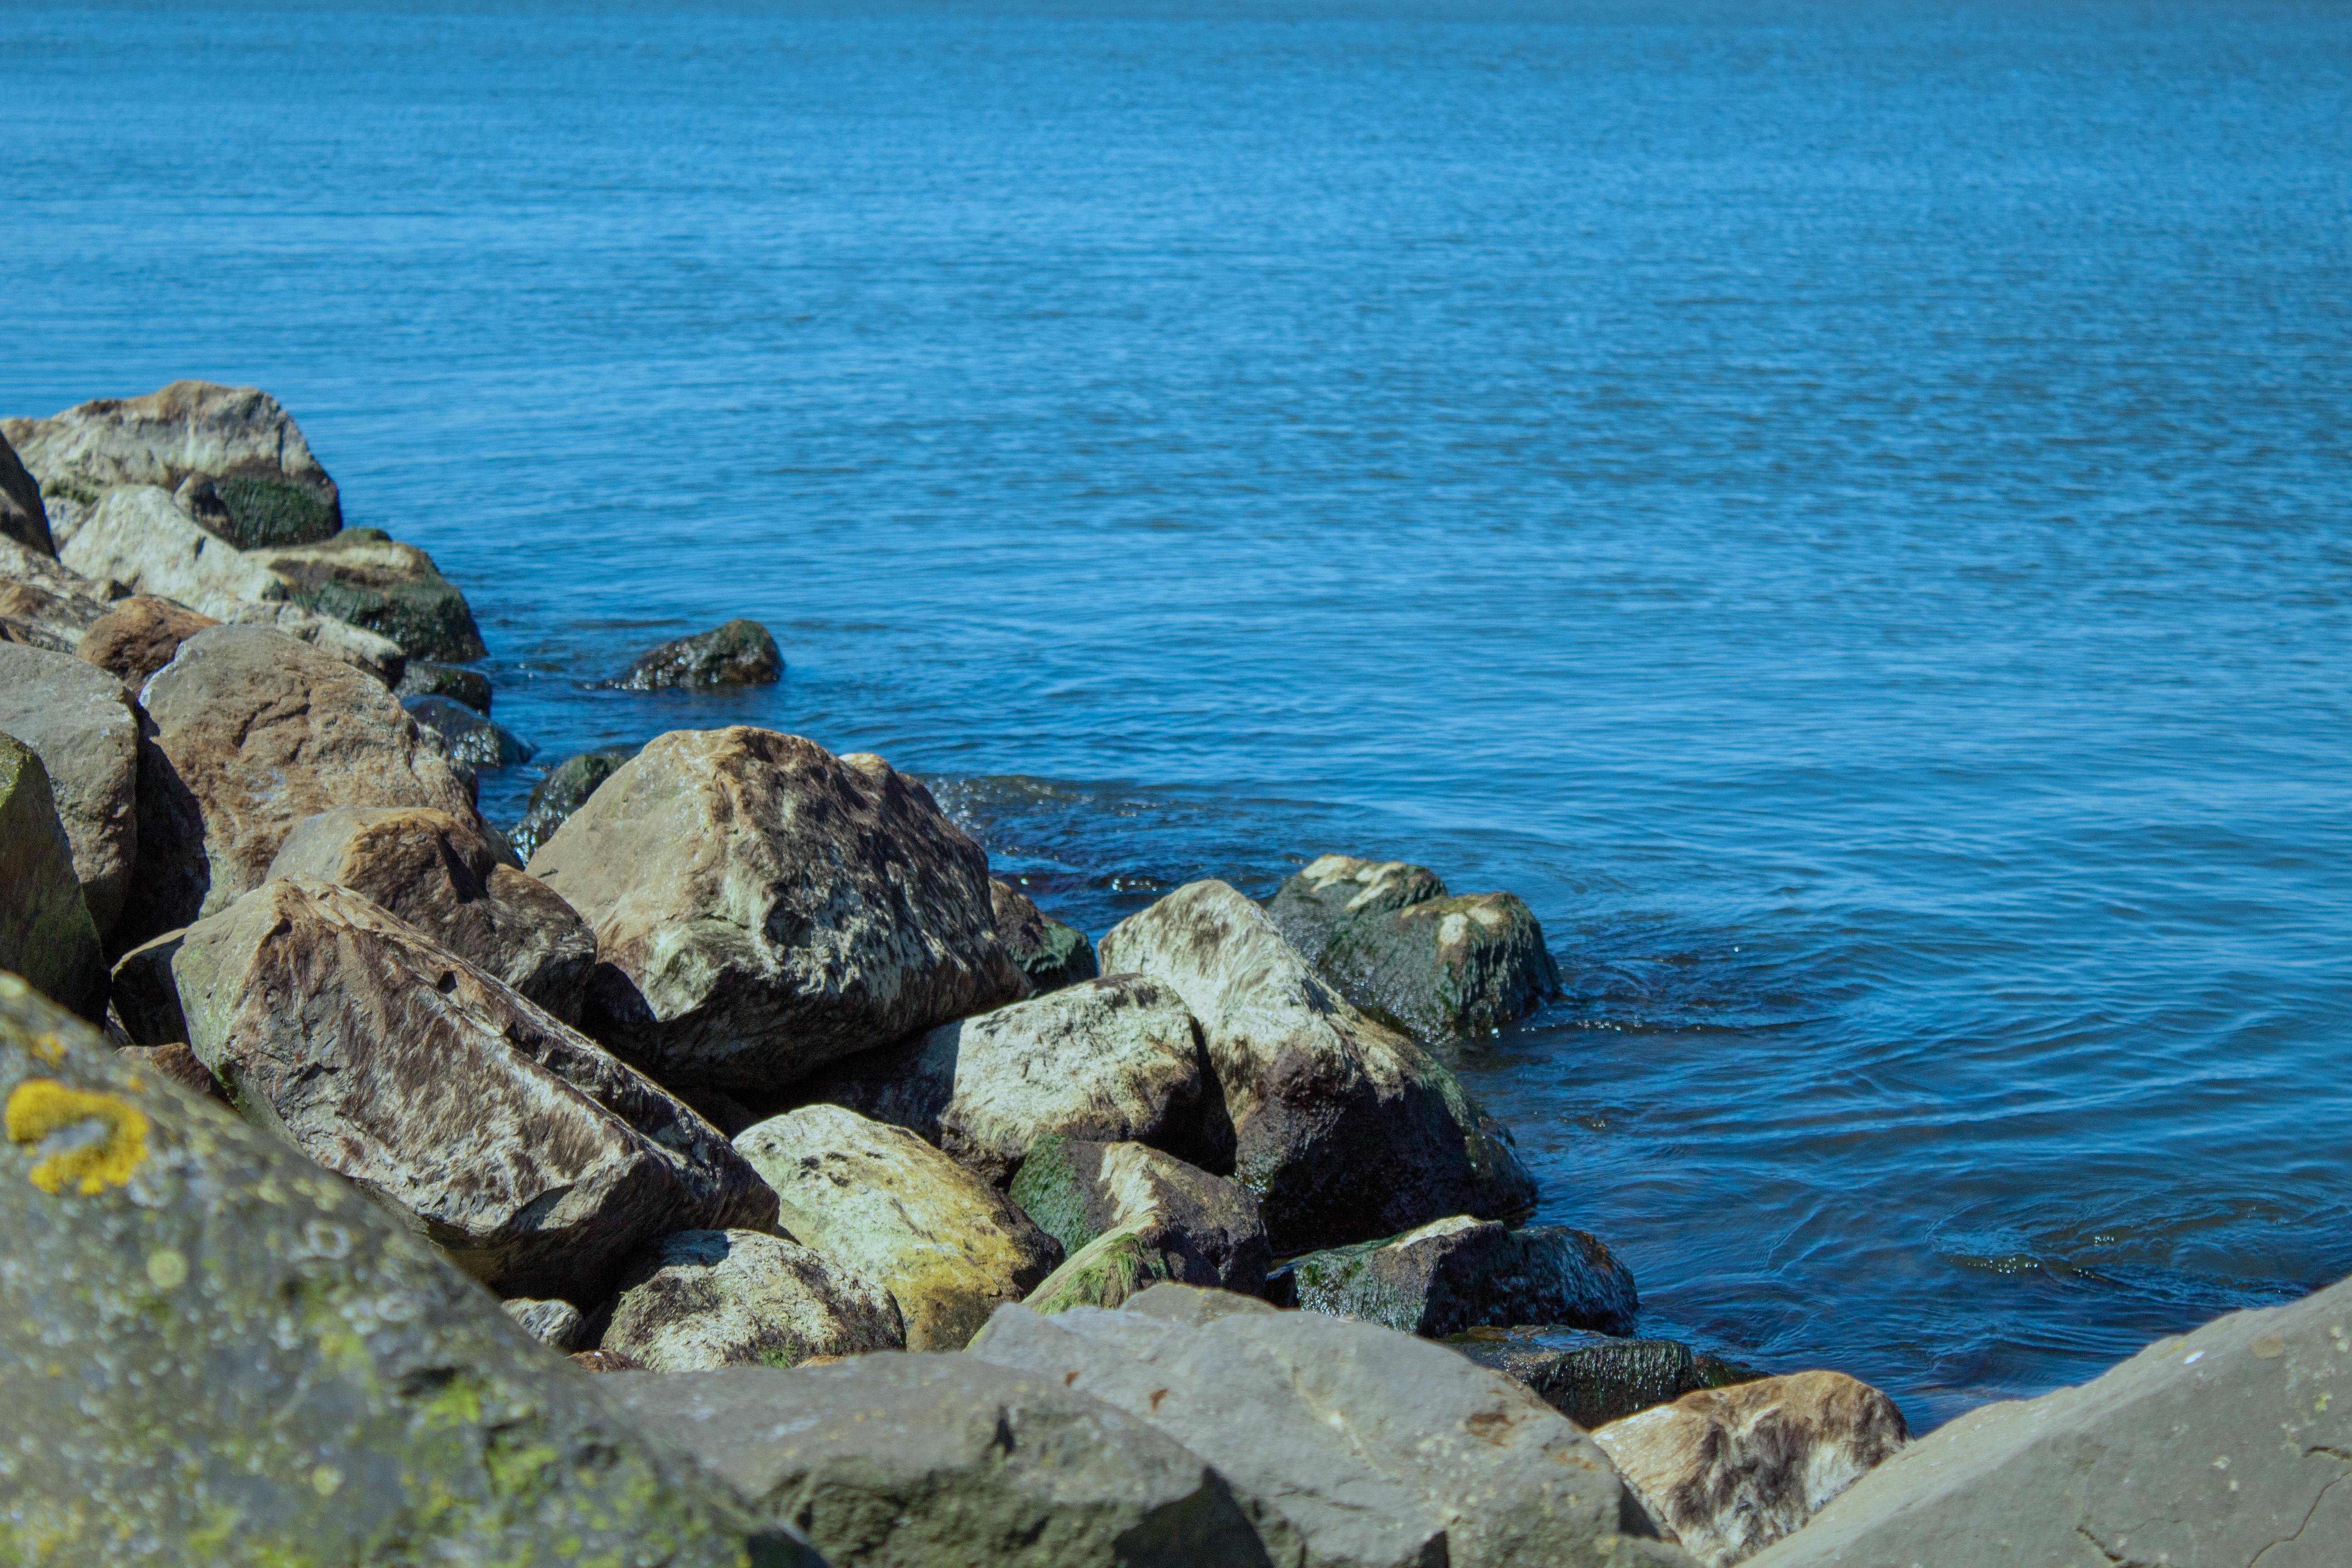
{"x":535,"y":1160}
{"x":554,"y":798}
{"x":1201,"y":1229}
{"x":43,"y":603}
{"x":706,"y":1298}
{"x":946,"y":1461}
{"x":1731,"y":1470}
{"x":315,"y":1384}
{"x":46,"y":934}
{"x":1345,"y":1130}
{"x":1192,"y":1305}
{"x":552,"y":1321}
{"x":255,"y":732}
{"x":604,"y":1361}
{"x":1348,"y":1444}
{"x":879,"y":1201}
{"x":143,"y":1000}
{"x":1462,"y":1273}
{"x":86,"y":728}
{"x":138,"y":536}
{"x":444,"y":876}
{"x":1050,"y":954}
{"x":1334,"y":891}
{"x":366,"y":578}
{"x":22,"y":516}
{"x":469,"y":740}
{"x":739,"y":653}
{"x":2228,"y":1445}
{"x":362,"y":650}
{"x":1111,"y":1059}
{"x":1592,"y":1378}
{"x":137,"y":636}
{"x":175,"y":1061}
{"x":422,"y":678}
{"x":763,"y":908}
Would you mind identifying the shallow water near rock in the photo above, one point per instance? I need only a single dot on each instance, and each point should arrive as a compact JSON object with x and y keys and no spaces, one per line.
{"x":1840,"y":507}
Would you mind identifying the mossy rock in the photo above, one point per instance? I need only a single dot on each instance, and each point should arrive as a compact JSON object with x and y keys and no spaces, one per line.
{"x":254,"y":512}
{"x":391,"y":589}
{"x":1108,"y":1269}
{"x":1592,"y":1378}
{"x":563,"y":791}
{"x":422,"y":678}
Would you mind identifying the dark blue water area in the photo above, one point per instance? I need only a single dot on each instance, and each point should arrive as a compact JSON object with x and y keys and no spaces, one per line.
{"x":1842,"y":507}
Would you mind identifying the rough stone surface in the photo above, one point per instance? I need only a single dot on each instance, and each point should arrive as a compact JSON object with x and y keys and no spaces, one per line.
{"x":1333,"y":890}
{"x":1193,"y":1305}
{"x":1731,"y":1470}
{"x":554,"y":798}
{"x":22,"y":516}
{"x":2223,"y":1447}
{"x":355,"y":646}
{"x":739,"y":653}
{"x":139,"y":536}
{"x":535,"y":1160}
{"x":1348,"y":1444}
{"x":1460,"y":1273}
{"x":879,"y":1201}
{"x":471,"y":739}
{"x":86,"y":728}
{"x":707,"y":1299}
{"x":422,"y":678}
{"x":380,"y":1408}
{"x":553,"y":1321}
{"x":1050,"y":954}
{"x":390,"y":588}
{"x":1593,"y":1378}
{"x":1179,"y":1223}
{"x":139,"y":636}
{"x":1345,"y":1130}
{"x":46,"y":934}
{"x":43,"y":603}
{"x":945,"y":1461}
{"x":446,"y":876}
{"x":143,"y":1000}
{"x":176,"y":1062}
{"x":763,"y":908}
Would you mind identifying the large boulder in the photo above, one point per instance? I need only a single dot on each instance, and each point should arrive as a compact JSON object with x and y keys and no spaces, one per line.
{"x":138,"y":635}
{"x":554,"y":798}
{"x":45,"y":604}
{"x":1050,"y":954}
{"x":86,"y":728}
{"x":1128,"y":1215}
{"x":2228,"y":1445}
{"x":1460,"y":1273}
{"x":1594,"y":1378}
{"x":22,"y":517}
{"x":739,"y":653}
{"x":1349,"y":1444}
{"x":537,"y":1162}
{"x":364,"y":576}
{"x":877,"y":1200}
{"x":46,"y":934}
{"x":444,"y":876}
{"x":1731,"y":1470}
{"x":1345,"y":1130}
{"x":947,"y":1461}
{"x":763,"y":908}
{"x":232,"y":1360}
{"x":253,"y":732}
{"x":706,"y":1298}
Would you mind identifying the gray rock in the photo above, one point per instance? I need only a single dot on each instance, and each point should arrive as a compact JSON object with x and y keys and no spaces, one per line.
{"x":703,"y":1300}
{"x":139,"y":536}
{"x":469,"y":739}
{"x":2227,"y":1445}
{"x":371,"y":579}
{"x":447,"y":877}
{"x":1128,"y":1217}
{"x":318,"y":1387}
{"x":422,"y":678}
{"x":364,"y":650}
{"x":551,"y":1321}
{"x":43,"y":603}
{"x":22,"y":517}
{"x":739,"y":653}
{"x":144,"y":1001}
{"x":1345,"y":1130}
{"x":945,"y":1461}
{"x":1050,"y":954}
{"x":46,"y":933}
{"x":554,"y":798}
{"x":1193,"y":1305}
{"x":86,"y":728}
{"x":1594,"y":1378}
{"x":1334,"y":891}
{"x":1461,"y":1273}
{"x":138,"y":635}
{"x":1349,"y":1444}
{"x":763,"y":908}
{"x":536,"y":1161}
{"x":1731,"y":1470}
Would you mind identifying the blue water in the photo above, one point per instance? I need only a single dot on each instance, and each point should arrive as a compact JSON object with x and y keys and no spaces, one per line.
{"x":1843,"y":507}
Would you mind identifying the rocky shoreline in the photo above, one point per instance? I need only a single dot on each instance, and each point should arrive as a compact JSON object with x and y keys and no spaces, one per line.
{"x":718,"y":1165}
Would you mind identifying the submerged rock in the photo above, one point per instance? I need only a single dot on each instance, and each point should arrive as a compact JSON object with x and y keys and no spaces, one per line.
{"x":422,"y":678}
{"x":137,"y":636}
{"x":46,"y":934}
{"x":1595,"y":1378}
{"x":1461,"y":1273}
{"x":554,"y":798}
{"x":739,"y":653}
{"x":1051,"y":954}
{"x":1180,"y":1223}
{"x":22,"y":517}
{"x":366,"y":578}
{"x":86,"y":728}
{"x":702,"y":1300}
{"x":468,"y":738}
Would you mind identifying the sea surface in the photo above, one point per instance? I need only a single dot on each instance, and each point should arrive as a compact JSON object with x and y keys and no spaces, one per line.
{"x":1845,"y":508}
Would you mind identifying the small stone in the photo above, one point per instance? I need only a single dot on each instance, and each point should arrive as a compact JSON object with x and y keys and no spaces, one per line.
{"x":1595,"y":1378}
{"x":739,"y":653}
{"x":553,"y":1322}
{"x":702,"y":1300}
{"x":554,"y":798}
{"x":139,"y":636}
{"x":468,"y":739}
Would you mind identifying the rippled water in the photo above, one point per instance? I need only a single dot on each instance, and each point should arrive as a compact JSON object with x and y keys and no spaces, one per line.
{"x":1842,"y":507}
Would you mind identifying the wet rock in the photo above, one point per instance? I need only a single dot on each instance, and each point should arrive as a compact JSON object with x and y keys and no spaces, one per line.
{"x":468,"y":738}
{"x":1182,"y":1224}
{"x":536,"y":1161}
{"x":763,"y":908}
{"x":944,"y":1462}
{"x":86,"y":728}
{"x":739,"y":653}
{"x":1334,"y":891}
{"x":552,"y":1321}
{"x":144,"y":1001}
{"x":138,"y":635}
{"x":422,"y":678}
{"x":879,"y":1201}
{"x":1345,"y":1130}
{"x":1593,"y":1378}
{"x":46,"y":933}
{"x":1460,"y":1273}
{"x":1731,"y":1470}
{"x":707,"y":1299}
{"x":366,"y":578}
{"x":22,"y":516}
{"x":1346,"y":1443}
{"x":1050,"y":954}
{"x":446,"y":876}
{"x":554,"y":798}
{"x":175,"y":1061}
{"x":382,"y":1407}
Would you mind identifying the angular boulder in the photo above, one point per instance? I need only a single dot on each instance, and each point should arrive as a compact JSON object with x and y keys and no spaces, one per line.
{"x":86,"y":728}
{"x":763,"y":908}
{"x":139,"y":536}
{"x":554,"y":798}
{"x":422,"y":678}
{"x":1462,"y":1273}
{"x":1050,"y":954}
{"x":375,"y":1406}
{"x":22,"y":517}
{"x":553,"y":1322}
{"x":947,"y":1461}
{"x":739,"y":653}
{"x":364,"y":576}
{"x":1180,"y":1223}
{"x":45,"y":604}
{"x":879,"y":1201}
{"x":1593,"y":1378}
{"x":142,"y":1003}
{"x":1334,"y":891}
{"x":1344,"y":1128}
{"x":46,"y":934}
{"x":138,"y":635}
{"x":537,"y":1162}
{"x":703,"y":1300}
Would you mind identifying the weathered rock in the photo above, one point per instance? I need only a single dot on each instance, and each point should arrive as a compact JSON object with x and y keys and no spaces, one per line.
{"x":739,"y":653}
{"x":468,"y":738}
{"x":143,"y":1000}
{"x":1593,"y":1378}
{"x":255,"y":732}
{"x":1346,"y":1443}
{"x":46,"y":934}
{"x":945,"y":1461}
{"x":444,"y":876}
{"x":2231,"y":1444}
{"x":879,"y":1201}
{"x":535,"y":1160}
{"x":43,"y":603}
{"x":355,"y":646}
{"x":1201,"y":1229}
{"x":553,"y":1321}
{"x":422,"y":678}
{"x":1050,"y":954}
{"x":175,"y":1061}
{"x":1345,"y":1130}
{"x":86,"y":728}
{"x":365,"y":578}
{"x":554,"y":798}
{"x":318,"y":1387}
{"x":1334,"y":891}
{"x":138,"y":536}
{"x":138,"y":635}
{"x":604,"y":1361}
{"x":22,"y":517}
{"x":707,"y":1299}
{"x":1193,"y":1305}
{"x":1461,"y":1273}
{"x":763,"y":908}
{"x":1731,"y":1470}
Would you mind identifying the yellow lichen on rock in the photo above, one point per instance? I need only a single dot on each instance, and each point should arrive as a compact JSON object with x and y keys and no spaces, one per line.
{"x":40,"y":1108}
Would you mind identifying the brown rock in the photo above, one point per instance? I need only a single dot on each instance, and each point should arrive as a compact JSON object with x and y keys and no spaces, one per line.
{"x":86,"y":728}
{"x":22,"y":517}
{"x":177,"y":1062}
{"x":139,"y":636}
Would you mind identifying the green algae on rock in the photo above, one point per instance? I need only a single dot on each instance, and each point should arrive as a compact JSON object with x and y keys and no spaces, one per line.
{"x":740,"y":653}
{"x":363,"y":576}
{"x":1458,"y":1273}
{"x":555,"y":797}
{"x":1594,"y":1378}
